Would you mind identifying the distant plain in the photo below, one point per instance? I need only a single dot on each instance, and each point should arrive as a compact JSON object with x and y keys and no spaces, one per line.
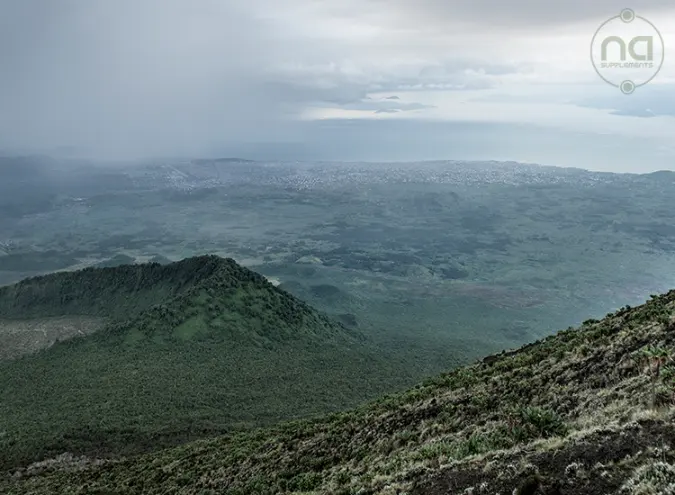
{"x":442,"y":261}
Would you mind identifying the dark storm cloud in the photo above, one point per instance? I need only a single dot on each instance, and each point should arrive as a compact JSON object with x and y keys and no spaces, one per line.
{"x":131,"y":76}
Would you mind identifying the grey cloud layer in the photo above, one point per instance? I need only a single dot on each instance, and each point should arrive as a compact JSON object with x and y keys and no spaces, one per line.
{"x":650,"y":101}
{"x":140,"y":77}
{"x":126,"y":74}
{"x":508,"y":14}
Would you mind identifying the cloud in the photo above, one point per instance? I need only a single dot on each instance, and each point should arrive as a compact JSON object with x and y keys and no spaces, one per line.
{"x":648,"y":101}
{"x":506,"y":15}
{"x":385,"y":105}
{"x":135,"y":78}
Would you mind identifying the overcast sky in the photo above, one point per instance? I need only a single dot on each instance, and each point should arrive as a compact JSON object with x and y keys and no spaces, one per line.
{"x":329,"y":79}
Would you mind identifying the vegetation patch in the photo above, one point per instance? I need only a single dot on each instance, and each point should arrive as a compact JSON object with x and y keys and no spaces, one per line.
{"x":545,"y":419}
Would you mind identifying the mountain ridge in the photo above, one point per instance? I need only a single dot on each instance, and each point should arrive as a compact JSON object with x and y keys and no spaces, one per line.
{"x":79,"y":292}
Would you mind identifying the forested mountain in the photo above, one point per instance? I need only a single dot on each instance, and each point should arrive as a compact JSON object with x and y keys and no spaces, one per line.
{"x":179,"y":351}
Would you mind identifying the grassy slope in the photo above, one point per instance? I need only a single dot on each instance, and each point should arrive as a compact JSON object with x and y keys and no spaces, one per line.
{"x":225,"y":349}
{"x":570,"y":414}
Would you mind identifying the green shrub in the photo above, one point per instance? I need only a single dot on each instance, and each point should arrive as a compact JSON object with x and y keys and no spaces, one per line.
{"x":544,"y":422}
{"x":305,"y":482}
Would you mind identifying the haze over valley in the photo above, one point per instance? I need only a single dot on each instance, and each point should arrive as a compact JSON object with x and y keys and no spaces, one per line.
{"x":444,"y":261}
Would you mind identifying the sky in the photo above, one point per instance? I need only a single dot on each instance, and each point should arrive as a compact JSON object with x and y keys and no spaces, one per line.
{"x":374,"y":80}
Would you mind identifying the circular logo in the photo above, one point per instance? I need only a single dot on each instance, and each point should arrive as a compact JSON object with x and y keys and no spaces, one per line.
{"x":627,"y":51}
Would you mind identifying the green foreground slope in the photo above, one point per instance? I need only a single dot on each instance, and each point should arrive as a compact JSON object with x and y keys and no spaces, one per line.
{"x":195,"y":348}
{"x":587,"y":411}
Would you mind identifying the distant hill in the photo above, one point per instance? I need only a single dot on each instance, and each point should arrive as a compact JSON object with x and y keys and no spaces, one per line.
{"x":207,"y":161}
{"x":191,"y":349}
{"x":662,"y":175}
{"x":587,"y":411}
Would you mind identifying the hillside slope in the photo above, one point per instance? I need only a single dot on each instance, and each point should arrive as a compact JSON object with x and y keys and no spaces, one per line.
{"x":192,"y":349}
{"x":587,"y":411}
